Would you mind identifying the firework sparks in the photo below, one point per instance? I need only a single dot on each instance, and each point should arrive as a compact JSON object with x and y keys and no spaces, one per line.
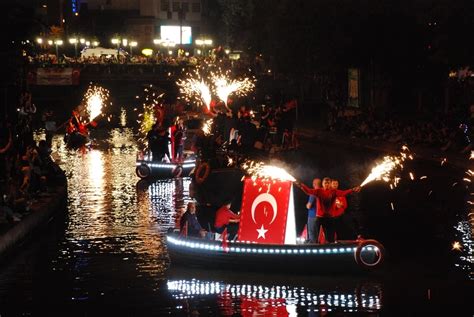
{"x":192,"y":87}
{"x":224,"y":86}
{"x":95,"y":99}
{"x":206,"y":128}
{"x":266,"y":172}
{"x":383,"y":170}
{"x":457,"y":246}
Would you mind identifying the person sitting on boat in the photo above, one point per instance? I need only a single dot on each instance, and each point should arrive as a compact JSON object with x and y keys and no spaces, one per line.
{"x":327,"y":197}
{"x":152,"y":137}
{"x":226,"y":219}
{"x":190,"y":223}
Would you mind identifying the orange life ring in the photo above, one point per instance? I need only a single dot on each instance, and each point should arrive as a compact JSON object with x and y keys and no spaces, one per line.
{"x":371,"y":246}
{"x":202,"y":172}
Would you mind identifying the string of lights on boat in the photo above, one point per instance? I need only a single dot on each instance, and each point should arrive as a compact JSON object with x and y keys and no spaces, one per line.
{"x":359,"y":298}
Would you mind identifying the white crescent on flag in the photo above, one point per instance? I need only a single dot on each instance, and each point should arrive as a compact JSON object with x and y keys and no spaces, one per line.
{"x":268,"y":198}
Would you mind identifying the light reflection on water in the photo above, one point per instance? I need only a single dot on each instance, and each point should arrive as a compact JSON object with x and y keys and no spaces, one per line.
{"x":277,"y":300}
{"x":116,"y":223}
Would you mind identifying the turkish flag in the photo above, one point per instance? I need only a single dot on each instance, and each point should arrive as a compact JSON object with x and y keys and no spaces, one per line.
{"x":264,"y":213}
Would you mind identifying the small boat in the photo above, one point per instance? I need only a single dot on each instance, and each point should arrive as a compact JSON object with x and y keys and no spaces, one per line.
{"x":147,"y":168}
{"x":344,"y":255}
{"x":76,"y":140}
{"x":266,"y":239}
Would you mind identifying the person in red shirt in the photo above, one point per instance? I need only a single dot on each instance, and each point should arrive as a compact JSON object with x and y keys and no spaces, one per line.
{"x":327,"y":197}
{"x":226,"y":219}
{"x":338,"y":209}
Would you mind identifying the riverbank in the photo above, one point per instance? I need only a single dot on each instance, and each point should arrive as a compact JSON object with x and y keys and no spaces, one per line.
{"x":458,"y":160}
{"x":45,"y":207}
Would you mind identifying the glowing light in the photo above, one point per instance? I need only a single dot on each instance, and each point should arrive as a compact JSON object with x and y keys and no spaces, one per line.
{"x":267,"y":172}
{"x":224,"y":86}
{"x":383,"y":170}
{"x":206,"y":128}
{"x":123,"y":117}
{"x":457,"y":246}
{"x":95,"y":99}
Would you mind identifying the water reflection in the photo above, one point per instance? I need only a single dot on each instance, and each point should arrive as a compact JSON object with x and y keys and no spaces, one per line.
{"x":108,"y":214}
{"x":250,"y":297}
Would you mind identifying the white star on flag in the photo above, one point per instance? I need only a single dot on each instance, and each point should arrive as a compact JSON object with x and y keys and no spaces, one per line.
{"x":261,"y":232}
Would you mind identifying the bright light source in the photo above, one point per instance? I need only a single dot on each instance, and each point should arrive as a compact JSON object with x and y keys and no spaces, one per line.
{"x":199,"y":42}
{"x":124,"y":42}
{"x":207,"y":42}
{"x":88,"y":43}
{"x":186,"y":54}
{"x":82,"y":41}
{"x":50,"y":42}
{"x":39,"y":40}
{"x":76,"y":14}
{"x":115,"y":41}
{"x":157,"y":41}
{"x":133,"y":44}
{"x":58,"y":42}
{"x":147,"y":51}
{"x":170,"y":52}
{"x":95,"y":43}
{"x":199,"y":52}
{"x":73,"y":41}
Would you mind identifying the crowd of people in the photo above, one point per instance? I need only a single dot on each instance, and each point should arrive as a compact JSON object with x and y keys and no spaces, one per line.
{"x":26,"y":167}
{"x":442,"y":132}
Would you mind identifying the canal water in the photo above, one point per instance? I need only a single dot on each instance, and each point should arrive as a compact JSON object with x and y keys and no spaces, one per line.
{"x":107,"y":255}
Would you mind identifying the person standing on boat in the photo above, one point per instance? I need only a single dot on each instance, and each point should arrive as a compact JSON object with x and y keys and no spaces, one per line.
{"x":312,"y":206}
{"x":327,"y":197}
{"x":179,"y":137}
{"x":338,"y":209}
{"x":190,"y":223}
{"x":226,"y":219}
{"x":152,"y":137}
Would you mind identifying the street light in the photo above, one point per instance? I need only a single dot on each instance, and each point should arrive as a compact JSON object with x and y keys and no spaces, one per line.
{"x":82,"y":41}
{"x":132,"y":45}
{"x":74,"y":41}
{"x":124,"y":42}
{"x":203,"y":42}
{"x":116,"y":42}
{"x":39,"y":40}
{"x":58,"y":43}
{"x":95,"y":43}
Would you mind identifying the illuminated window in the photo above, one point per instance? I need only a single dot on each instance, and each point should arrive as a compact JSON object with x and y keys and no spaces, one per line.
{"x":165,"y":5}
{"x":196,"y":7}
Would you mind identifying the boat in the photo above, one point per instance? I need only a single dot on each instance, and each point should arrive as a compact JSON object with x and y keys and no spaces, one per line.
{"x":344,"y":255}
{"x":76,"y":140}
{"x":266,"y":239}
{"x":147,"y":168}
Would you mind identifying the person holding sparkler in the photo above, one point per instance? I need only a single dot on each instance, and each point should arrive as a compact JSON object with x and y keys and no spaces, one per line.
{"x":327,"y":198}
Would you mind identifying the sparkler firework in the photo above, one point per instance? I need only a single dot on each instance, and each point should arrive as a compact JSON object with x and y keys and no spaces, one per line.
{"x":204,"y":82}
{"x":383,"y":170}
{"x":266,"y":172}
{"x":95,"y":99}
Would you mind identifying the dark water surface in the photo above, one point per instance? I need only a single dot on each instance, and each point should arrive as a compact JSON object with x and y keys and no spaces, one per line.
{"x":108,"y":256}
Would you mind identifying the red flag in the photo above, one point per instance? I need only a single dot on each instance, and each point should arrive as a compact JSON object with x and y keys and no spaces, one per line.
{"x":304,"y":233}
{"x":264,"y":211}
